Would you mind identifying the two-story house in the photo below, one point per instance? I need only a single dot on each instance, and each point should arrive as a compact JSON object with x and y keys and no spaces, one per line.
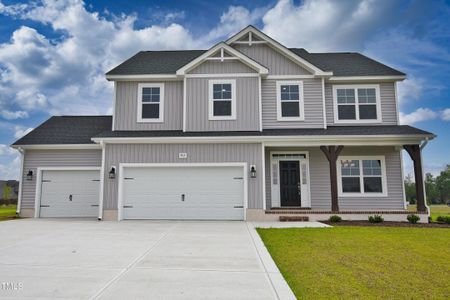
{"x":246,"y":130}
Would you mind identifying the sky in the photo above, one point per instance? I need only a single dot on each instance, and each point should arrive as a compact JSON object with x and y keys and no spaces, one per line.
{"x":53,"y":54}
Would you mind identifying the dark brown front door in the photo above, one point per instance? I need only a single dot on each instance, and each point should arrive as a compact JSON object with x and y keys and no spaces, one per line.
{"x":289,"y":183}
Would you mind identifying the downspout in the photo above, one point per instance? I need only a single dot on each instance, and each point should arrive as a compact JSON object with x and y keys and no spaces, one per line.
{"x":422,"y":146}
{"x":102,"y":180}
{"x":19,"y":198}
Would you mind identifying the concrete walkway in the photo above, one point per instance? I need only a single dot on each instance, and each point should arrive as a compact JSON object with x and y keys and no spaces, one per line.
{"x":84,"y":259}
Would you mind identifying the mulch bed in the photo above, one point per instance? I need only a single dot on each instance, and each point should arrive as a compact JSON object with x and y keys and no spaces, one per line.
{"x":387,"y":224}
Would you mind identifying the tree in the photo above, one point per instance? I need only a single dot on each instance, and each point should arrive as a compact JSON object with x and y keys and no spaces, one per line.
{"x":410,"y":190}
{"x":6,"y":193}
{"x":443,"y":185}
{"x":433,"y":196}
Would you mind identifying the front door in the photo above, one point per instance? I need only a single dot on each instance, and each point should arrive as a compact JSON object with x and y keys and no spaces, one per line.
{"x":290,"y":183}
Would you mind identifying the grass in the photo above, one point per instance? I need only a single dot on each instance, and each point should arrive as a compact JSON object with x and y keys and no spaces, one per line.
{"x":7,"y":212}
{"x":362,"y":262}
{"x":435,"y":210}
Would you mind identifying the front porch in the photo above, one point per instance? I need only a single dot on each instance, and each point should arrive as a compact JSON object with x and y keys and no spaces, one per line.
{"x":314,"y":183}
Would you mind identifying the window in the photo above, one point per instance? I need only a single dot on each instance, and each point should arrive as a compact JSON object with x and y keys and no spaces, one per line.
{"x":362,"y":176}
{"x":290,"y":101}
{"x":356,"y":103}
{"x":150,"y":102}
{"x":222,"y":99}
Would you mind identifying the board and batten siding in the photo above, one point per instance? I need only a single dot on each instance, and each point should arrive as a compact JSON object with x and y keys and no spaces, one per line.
{"x":125,"y":111}
{"x":313,"y":104}
{"x":247,"y":106}
{"x":387,"y":102}
{"x":320,"y":179}
{"x":34,"y":159}
{"x":277,"y":63}
{"x":196,"y":153}
{"x":219,"y":67}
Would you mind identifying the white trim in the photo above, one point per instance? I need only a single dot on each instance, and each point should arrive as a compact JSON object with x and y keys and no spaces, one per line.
{"x":142,"y":77}
{"x":114,"y":107}
{"x":58,"y":146}
{"x":367,"y":78}
{"x":248,"y":43}
{"x":296,"y":140}
{"x":19,"y":197}
{"x":37,"y":195}
{"x":263,"y":172}
{"x":211,"y":100}
{"x":300,"y":160}
{"x":361,"y":176}
{"x":289,"y":77}
{"x":324,"y":106}
{"x":355,"y":87}
{"x":140,"y":103}
{"x":301,"y":101}
{"x":184,"y":103}
{"x":397,"y":111}
{"x":224,"y":75}
{"x":177,"y":165}
{"x":403,"y":179}
{"x":245,"y":59}
{"x":277,"y":46}
{"x":102,"y":182}
{"x":260,"y":103}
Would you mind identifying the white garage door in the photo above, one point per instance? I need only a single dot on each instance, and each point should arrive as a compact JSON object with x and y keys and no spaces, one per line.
{"x":202,"y":193}
{"x":70,"y":193}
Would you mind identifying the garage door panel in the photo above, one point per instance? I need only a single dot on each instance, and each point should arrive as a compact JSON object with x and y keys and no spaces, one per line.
{"x":57,"y":186}
{"x":210,"y":193}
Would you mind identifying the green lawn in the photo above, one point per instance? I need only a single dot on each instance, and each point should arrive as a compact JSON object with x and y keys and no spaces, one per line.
{"x":7,"y":212}
{"x":363,"y":262}
{"x":435,"y":210}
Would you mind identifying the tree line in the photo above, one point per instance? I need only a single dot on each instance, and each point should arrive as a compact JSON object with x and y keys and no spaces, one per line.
{"x":437,"y":187}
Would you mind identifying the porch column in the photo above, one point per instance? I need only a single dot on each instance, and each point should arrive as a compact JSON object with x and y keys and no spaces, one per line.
{"x":415,"y":154}
{"x":332,"y":153}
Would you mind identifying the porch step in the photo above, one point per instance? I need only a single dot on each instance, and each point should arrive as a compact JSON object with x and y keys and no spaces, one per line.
{"x":294,"y":218}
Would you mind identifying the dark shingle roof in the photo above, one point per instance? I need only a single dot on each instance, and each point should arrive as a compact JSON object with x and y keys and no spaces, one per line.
{"x":330,"y":131}
{"x":67,"y":130}
{"x":168,"y":62}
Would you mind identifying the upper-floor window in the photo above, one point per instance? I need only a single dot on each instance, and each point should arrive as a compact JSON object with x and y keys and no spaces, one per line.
{"x":362,"y":176}
{"x":356,"y":103}
{"x":150,"y":102}
{"x":222,"y":99}
{"x":290,"y":106}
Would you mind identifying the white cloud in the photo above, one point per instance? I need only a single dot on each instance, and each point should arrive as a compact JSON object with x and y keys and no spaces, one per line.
{"x":9,"y":163}
{"x":6,"y":150}
{"x":12,"y":115}
{"x":21,"y":131}
{"x":419,"y":115}
{"x":446,"y":114}
{"x":409,"y":90}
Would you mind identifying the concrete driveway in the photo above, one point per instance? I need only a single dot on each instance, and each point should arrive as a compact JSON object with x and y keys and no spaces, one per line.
{"x":85,"y":259}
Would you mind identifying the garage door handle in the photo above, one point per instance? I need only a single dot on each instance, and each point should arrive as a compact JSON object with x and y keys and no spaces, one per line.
{"x":45,"y":205}
{"x":94,"y":205}
{"x":128,"y":206}
{"x":238,"y":177}
{"x":238,"y":206}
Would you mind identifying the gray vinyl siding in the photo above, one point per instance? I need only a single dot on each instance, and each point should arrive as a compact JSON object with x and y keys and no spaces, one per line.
{"x":387,"y":102}
{"x":218,"y":67}
{"x":320,"y":180}
{"x":312,"y":90}
{"x":247,"y":106}
{"x":196,"y":153}
{"x":53,"y":158}
{"x":125,"y":111}
{"x":277,"y":63}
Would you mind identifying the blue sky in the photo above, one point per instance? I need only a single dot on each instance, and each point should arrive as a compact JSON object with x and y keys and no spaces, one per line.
{"x":53,"y":54}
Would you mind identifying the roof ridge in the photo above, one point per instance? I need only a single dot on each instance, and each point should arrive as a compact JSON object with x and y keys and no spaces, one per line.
{"x":81,"y":116}
{"x":180,"y":50}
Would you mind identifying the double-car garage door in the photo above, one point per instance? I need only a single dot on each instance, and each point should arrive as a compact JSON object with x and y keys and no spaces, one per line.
{"x":183,"y":192}
{"x":152,"y":192}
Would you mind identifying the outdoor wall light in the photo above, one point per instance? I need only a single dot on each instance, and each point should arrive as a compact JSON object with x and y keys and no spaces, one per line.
{"x":253,"y":171}
{"x":30,"y":175}
{"x":112,"y":173}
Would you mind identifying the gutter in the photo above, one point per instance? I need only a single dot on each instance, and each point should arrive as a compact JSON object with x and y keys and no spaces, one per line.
{"x":19,"y":198}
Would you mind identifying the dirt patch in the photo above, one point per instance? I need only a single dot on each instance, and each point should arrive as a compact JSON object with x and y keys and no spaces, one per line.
{"x":387,"y":224}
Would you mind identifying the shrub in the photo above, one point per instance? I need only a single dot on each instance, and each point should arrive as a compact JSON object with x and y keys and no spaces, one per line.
{"x":335,"y":219}
{"x":413,"y":218}
{"x":376,"y":219}
{"x":443,"y":219}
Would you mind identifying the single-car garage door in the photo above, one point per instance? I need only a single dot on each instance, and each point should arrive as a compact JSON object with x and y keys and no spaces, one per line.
{"x":73,"y":193}
{"x":186,"y":192}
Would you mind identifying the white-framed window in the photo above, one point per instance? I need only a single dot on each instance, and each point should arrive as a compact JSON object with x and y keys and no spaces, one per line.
{"x":357,"y":103}
{"x":362,"y":176}
{"x":150,"y":104}
{"x":290,"y":103}
{"x":222,"y":99}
